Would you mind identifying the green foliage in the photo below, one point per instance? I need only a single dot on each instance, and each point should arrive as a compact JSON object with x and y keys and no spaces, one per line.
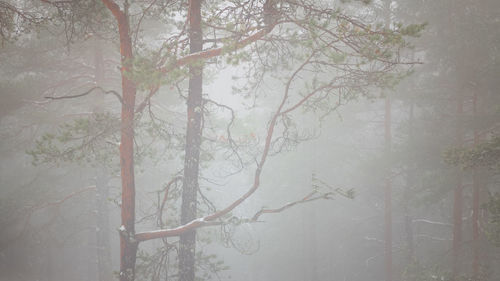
{"x":146,"y":74}
{"x":163,"y":261}
{"x":416,"y":271}
{"x":95,"y":141}
{"x":493,"y":226}
{"x":391,"y":80}
{"x":486,"y":154}
{"x":209,"y":266}
{"x":318,"y":185}
{"x":235,"y":58}
{"x":15,"y":22}
{"x":91,"y":140}
{"x":414,"y":30}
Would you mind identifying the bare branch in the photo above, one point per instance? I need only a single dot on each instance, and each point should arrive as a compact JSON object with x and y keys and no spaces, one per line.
{"x":308,"y":198}
{"x":33,"y":209}
{"x":165,"y":197}
{"x":146,"y":101}
{"x":86,"y":93}
{"x":209,"y":219}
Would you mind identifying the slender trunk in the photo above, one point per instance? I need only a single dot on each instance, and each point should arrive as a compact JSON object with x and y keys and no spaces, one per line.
{"x":458,"y":197}
{"x":128,"y":245}
{"x":388,"y":176}
{"x":49,"y":261}
{"x":91,"y":272}
{"x":305,"y":247}
{"x":475,"y":202}
{"x":388,"y":193}
{"x":103,"y":244}
{"x":187,"y":246}
{"x":314,"y":245}
{"x":410,"y":181}
{"x":102,"y":230}
{"x":475,"y":224}
{"x":98,"y":65}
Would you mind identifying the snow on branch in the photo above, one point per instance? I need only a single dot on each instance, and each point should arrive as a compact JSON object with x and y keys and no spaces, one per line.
{"x":210,"y":219}
{"x":432,"y":222}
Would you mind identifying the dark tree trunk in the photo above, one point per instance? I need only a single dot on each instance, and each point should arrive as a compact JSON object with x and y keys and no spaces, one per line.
{"x":187,"y":246}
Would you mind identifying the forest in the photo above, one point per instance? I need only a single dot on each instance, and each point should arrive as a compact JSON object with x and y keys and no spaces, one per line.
{"x":249,"y":140}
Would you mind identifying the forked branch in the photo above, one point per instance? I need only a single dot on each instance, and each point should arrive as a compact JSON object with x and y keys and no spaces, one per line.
{"x":210,"y":219}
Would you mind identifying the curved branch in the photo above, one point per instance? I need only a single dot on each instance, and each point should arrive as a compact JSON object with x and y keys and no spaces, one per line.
{"x":307,"y":198}
{"x":210,"y":53}
{"x":113,"y":7}
{"x":33,"y":209}
{"x":210,"y":219}
{"x":86,"y":93}
{"x":165,"y":198}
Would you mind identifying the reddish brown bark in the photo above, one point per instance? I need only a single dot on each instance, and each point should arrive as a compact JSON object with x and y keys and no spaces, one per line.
{"x":128,"y":246}
{"x":203,"y":55}
{"x":209,"y":219}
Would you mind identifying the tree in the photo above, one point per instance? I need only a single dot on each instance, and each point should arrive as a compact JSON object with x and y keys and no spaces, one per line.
{"x":455,"y":70}
{"x":388,"y":175}
{"x":290,"y":38}
{"x":193,"y":145}
{"x":33,"y":66}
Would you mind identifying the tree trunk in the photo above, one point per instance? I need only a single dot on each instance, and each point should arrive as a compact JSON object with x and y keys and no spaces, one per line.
{"x":388,"y":193}
{"x":91,"y":259}
{"x":102,"y":232}
{"x":410,"y":181}
{"x":187,"y":245}
{"x":475,"y":223}
{"x":458,"y":197}
{"x":476,"y":185}
{"x":388,"y":176}
{"x":103,"y":246}
{"x":128,"y":245}
{"x":313,"y":244}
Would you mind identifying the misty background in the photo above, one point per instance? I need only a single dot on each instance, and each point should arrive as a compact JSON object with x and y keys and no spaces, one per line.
{"x":430,"y":127}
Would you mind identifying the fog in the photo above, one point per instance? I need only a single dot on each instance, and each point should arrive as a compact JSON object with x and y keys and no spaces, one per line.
{"x":249,"y":140}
